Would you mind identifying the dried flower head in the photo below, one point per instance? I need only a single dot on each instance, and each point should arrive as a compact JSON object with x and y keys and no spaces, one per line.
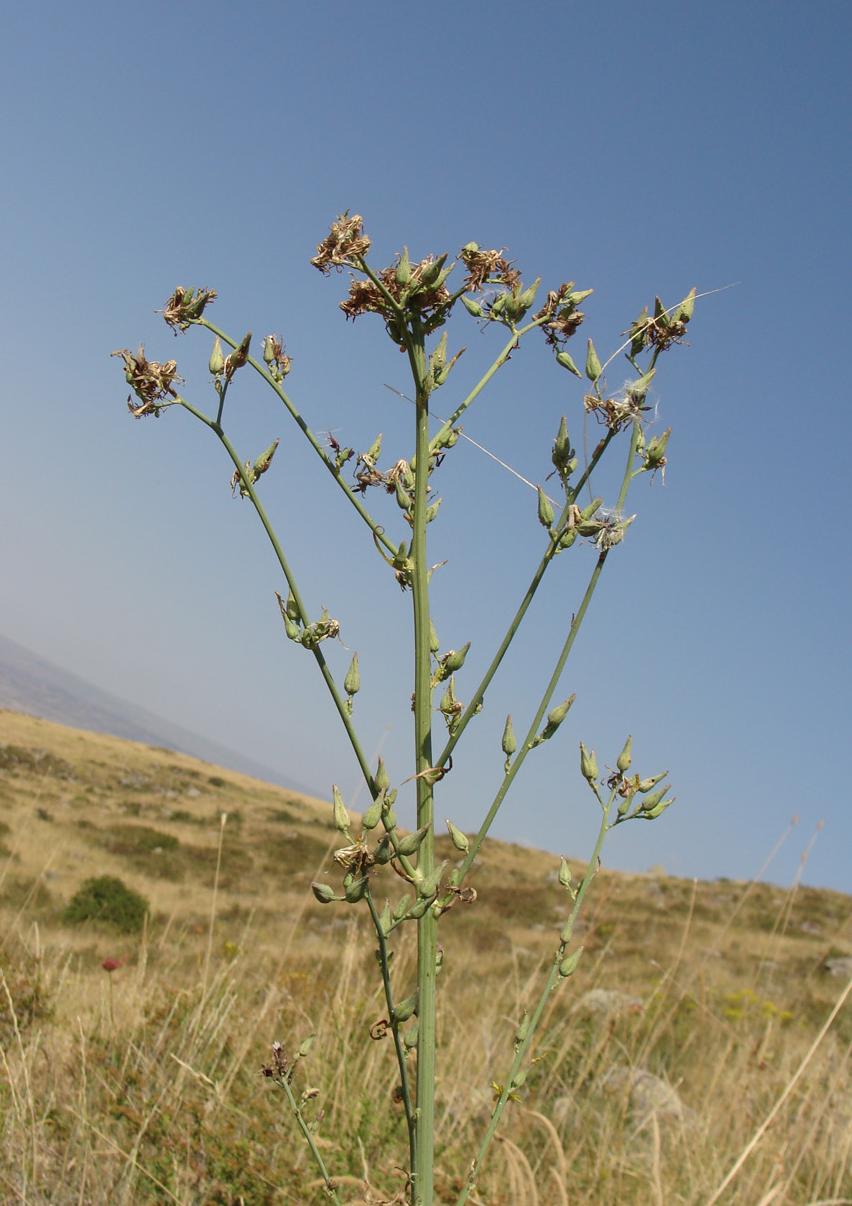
{"x":185,"y":306}
{"x":344,"y":244}
{"x":275,"y":358}
{"x":424,"y":291}
{"x":152,"y":383}
{"x":615,"y":413}
{"x":111,"y":965}
{"x":487,"y":267}
{"x":560,"y":310}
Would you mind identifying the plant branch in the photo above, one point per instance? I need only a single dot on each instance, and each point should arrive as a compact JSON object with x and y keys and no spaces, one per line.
{"x":511,"y":631}
{"x":376,"y":528}
{"x":522,"y":1047}
{"x":294,"y":590}
{"x":328,"y":1183}
{"x":384,"y":964}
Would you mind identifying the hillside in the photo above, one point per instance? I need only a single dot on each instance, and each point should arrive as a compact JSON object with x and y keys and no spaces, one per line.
{"x":30,"y":683}
{"x":693,"y":1007}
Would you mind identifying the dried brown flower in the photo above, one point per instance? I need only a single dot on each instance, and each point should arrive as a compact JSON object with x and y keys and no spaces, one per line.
{"x":560,"y":308}
{"x":615,"y":413}
{"x":366,"y":297}
{"x":152,"y":383}
{"x":343,"y":245}
{"x":484,"y":266}
{"x":185,"y":306}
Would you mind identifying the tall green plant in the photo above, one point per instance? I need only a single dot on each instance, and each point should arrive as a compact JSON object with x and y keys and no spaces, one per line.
{"x":415,"y":300}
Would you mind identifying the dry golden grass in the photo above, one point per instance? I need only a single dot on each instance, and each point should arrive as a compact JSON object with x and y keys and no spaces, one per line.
{"x":143,"y":1085}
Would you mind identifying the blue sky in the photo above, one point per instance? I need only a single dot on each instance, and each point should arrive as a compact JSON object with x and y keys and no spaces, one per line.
{"x":633,"y":151}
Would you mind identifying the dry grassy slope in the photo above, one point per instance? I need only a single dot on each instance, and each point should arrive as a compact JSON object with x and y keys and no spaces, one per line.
{"x":732,"y":978}
{"x":75,"y":804}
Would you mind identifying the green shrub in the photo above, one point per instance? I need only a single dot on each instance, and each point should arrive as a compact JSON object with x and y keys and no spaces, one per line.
{"x":107,"y":899}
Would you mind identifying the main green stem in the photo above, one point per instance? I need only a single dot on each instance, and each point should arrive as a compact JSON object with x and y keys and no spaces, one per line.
{"x":427,"y":926}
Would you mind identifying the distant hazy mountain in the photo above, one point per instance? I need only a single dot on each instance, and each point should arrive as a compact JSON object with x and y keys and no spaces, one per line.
{"x":29,"y":683}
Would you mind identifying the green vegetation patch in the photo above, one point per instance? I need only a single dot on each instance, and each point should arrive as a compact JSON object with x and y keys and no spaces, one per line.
{"x":108,"y":900}
{"x":20,"y":758}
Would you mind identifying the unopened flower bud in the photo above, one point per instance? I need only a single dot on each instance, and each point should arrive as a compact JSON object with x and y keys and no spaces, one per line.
{"x":401,"y":908}
{"x":567,"y":363}
{"x":454,"y":660}
{"x":588,"y":764}
{"x":341,"y":816}
{"x":216,"y":363}
{"x":460,"y":840}
{"x":434,"y":643}
{"x":626,"y":756}
{"x":323,"y":893}
{"x":651,"y":801}
{"x":373,"y":814}
{"x":382,"y":779}
{"x":509,"y":743}
{"x":404,"y":1010}
{"x":473,"y":307}
{"x":569,"y":964}
{"x":646,"y":785}
{"x":564,"y":873}
{"x":410,"y":844}
{"x":374,"y":451}
{"x":593,"y":364}
{"x":545,"y":509}
{"x":687,"y":307}
{"x":403,"y":268}
{"x":354,"y":888}
{"x":655,"y":452}
{"x":270,"y":349}
{"x":352,"y":682}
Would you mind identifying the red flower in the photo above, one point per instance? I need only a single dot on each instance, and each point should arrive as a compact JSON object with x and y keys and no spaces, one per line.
{"x":110,"y":965}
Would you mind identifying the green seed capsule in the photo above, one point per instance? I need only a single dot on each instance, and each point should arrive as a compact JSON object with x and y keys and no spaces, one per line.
{"x":594,"y":505}
{"x":567,"y":363}
{"x":569,"y":964}
{"x":373,"y":814}
{"x":403,"y":498}
{"x":545,"y":509}
{"x":434,"y":643}
{"x":454,"y":660}
{"x":352,"y":682}
{"x":588,"y":764}
{"x":401,"y":908}
{"x":217,"y":360}
{"x":406,"y":1008}
{"x":374,"y":451}
{"x":382,"y":779}
{"x":646,"y":785}
{"x":564,"y":873}
{"x":556,"y":715}
{"x":626,"y":756}
{"x":432,"y":511}
{"x":593,"y":364}
{"x":651,"y":802}
{"x":419,"y":908}
{"x":323,"y":893}
{"x":403,"y":268}
{"x":473,"y":307}
{"x":409,"y":1039}
{"x":460,"y":840}
{"x":355,"y":889}
{"x":292,"y":629}
{"x":410,"y":844}
{"x":428,"y":886}
{"x":567,"y":538}
{"x":687,"y":307}
{"x":509,"y":742}
{"x":341,"y":816}
{"x":384,"y":852}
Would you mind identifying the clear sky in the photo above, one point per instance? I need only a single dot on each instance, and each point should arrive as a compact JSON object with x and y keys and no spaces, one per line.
{"x":636,"y":150}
